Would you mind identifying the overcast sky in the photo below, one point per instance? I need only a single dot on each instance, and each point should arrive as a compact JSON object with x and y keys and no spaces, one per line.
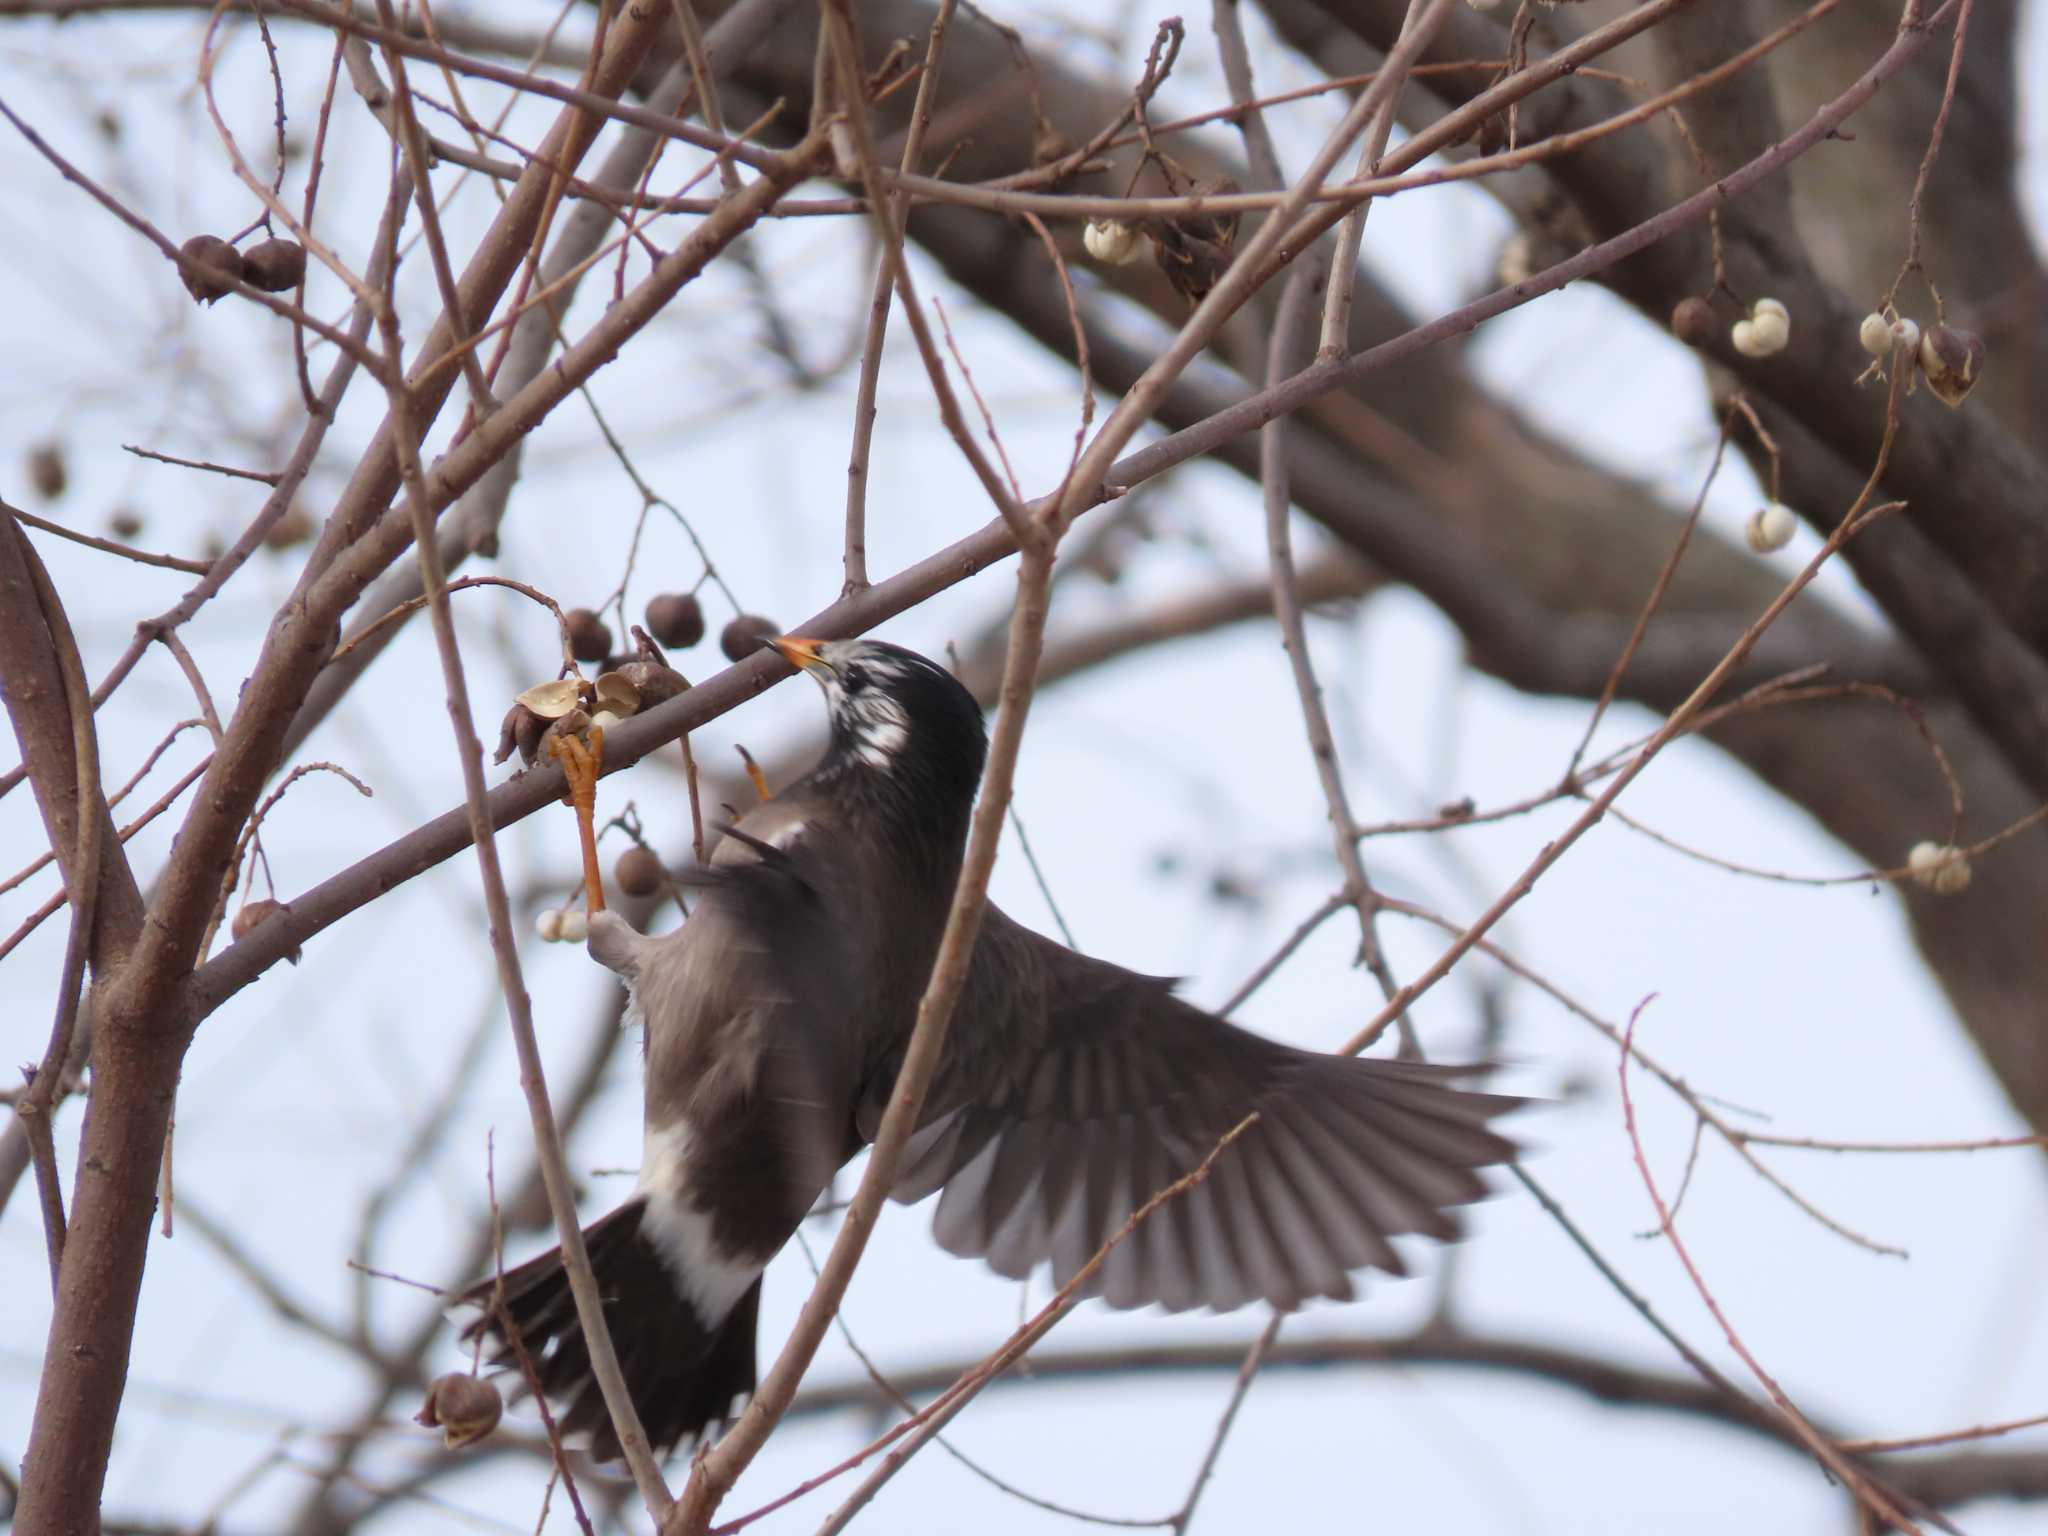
{"x":1140,"y":783}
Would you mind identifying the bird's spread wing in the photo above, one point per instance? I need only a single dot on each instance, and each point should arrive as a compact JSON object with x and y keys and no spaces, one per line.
{"x":1073,"y":1091}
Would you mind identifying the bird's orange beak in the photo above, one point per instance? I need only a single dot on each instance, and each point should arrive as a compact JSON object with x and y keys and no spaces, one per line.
{"x":799,"y":652}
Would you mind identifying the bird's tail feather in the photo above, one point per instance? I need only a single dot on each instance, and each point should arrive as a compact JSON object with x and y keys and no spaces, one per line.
{"x":684,"y":1372}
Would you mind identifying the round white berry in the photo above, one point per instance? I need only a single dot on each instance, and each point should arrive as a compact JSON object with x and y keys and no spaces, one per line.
{"x":547,"y":923}
{"x":1764,"y":334}
{"x":1941,"y":867}
{"x":1906,"y":335}
{"x":1770,"y":527}
{"x":1763,"y":307}
{"x":575,"y":926}
{"x":1113,"y":241}
{"x":604,"y":720}
{"x":1876,"y":334}
{"x":1517,"y":262}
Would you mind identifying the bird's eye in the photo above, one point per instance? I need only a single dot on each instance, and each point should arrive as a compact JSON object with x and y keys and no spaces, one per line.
{"x":853,"y":679}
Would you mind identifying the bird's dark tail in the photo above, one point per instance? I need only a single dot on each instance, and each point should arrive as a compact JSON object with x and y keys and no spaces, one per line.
{"x":683,"y":1372}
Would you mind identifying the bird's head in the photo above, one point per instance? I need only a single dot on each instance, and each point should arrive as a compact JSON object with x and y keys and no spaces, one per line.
{"x":894,"y":714}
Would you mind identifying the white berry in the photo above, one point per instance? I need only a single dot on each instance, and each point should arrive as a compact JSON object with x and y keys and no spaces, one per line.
{"x":1765,"y":332}
{"x":1770,"y":527}
{"x":575,"y":926}
{"x":604,"y":720}
{"x":1940,"y":867}
{"x":547,"y":923}
{"x":1876,"y":334}
{"x":1113,"y":241}
{"x":1906,"y":335}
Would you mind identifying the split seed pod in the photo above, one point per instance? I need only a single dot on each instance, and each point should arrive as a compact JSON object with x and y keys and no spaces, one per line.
{"x":463,"y":1408}
{"x":654,"y":683}
{"x":1953,"y":361}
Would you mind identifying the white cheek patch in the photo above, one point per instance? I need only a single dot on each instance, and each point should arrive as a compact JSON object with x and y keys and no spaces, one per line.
{"x":711,"y":1278}
{"x":880,"y":728}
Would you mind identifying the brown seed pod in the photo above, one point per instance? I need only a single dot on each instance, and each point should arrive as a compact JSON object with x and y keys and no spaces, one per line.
{"x":1048,"y":144}
{"x":638,"y":872}
{"x":1692,"y":321}
{"x":1217,"y":228}
{"x":209,"y":266}
{"x":521,"y":732}
{"x":676,"y":618}
{"x":463,"y":1408}
{"x":656,"y":684}
{"x":589,"y":639}
{"x":294,"y":527}
{"x":48,"y":474}
{"x":126,"y":523}
{"x":1192,"y":266}
{"x":274,"y":265}
{"x":252,"y":916}
{"x":1952,"y":361}
{"x":746,"y":635}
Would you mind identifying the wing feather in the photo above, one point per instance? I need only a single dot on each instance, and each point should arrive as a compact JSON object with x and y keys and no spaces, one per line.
{"x":1075,"y":1091}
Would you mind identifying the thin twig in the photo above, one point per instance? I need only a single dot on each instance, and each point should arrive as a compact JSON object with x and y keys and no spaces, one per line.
{"x":547,"y":1144}
{"x":93,"y":541}
{"x":1423,"y":20}
{"x":1870,"y":1493}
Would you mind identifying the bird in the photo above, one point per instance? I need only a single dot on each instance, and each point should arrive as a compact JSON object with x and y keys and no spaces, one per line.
{"x":1070,"y":1092}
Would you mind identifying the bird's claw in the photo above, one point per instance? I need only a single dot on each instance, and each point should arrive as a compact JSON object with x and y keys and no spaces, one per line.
{"x":582,"y":761}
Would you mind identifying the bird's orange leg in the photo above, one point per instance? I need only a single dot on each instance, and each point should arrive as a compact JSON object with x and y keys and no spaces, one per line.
{"x":581,"y":765}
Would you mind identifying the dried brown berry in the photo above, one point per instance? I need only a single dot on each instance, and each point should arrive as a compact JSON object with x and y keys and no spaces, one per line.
{"x":463,"y":1408}
{"x":638,"y":872}
{"x":1048,"y":144}
{"x":1692,"y":321}
{"x":48,"y":474}
{"x":274,"y":265}
{"x":294,"y":527}
{"x":677,"y":619}
{"x":746,"y":635}
{"x":1953,"y":361}
{"x":126,"y":523}
{"x":589,"y":639}
{"x":210,"y":267}
{"x":252,"y":916}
